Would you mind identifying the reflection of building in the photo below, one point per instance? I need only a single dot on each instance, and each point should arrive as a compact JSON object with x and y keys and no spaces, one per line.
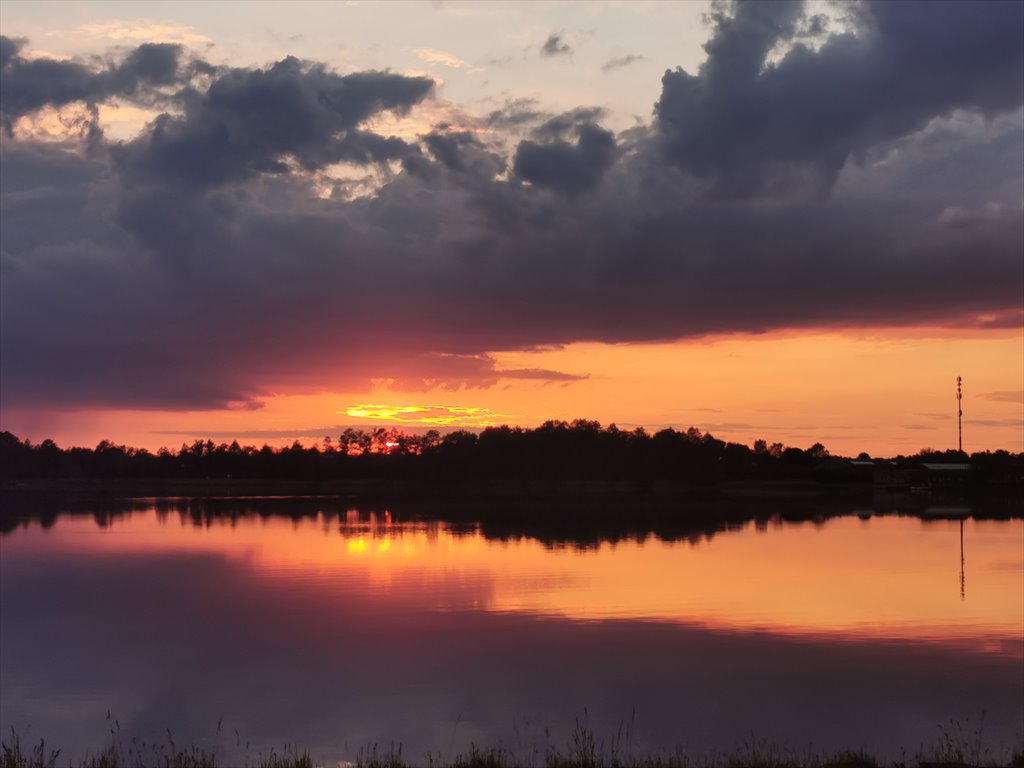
{"x":925,"y":476}
{"x":962,"y":580}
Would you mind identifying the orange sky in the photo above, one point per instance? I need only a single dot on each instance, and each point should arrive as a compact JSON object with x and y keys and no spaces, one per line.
{"x":883,"y":392}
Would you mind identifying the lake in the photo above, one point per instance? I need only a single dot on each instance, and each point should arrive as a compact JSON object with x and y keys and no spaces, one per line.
{"x":338,"y":629}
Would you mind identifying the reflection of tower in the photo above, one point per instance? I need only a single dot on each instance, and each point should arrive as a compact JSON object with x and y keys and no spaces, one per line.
{"x":961,"y":558}
{"x":959,"y":416}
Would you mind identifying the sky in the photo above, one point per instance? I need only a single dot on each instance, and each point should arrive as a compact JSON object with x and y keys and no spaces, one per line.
{"x":789,"y":221}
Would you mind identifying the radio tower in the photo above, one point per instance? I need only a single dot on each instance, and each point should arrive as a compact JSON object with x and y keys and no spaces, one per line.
{"x":959,"y":416}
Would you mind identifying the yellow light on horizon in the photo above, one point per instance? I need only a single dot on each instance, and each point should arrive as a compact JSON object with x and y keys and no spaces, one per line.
{"x":439,"y":415}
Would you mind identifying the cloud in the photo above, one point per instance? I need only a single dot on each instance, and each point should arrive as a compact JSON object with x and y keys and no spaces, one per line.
{"x":515,"y":114}
{"x":752,"y":129}
{"x":31,"y":84}
{"x":555,"y":45}
{"x":9,"y":48}
{"x":141,"y":29}
{"x":936,"y":416}
{"x":1016,"y":397}
{"x":432,"y":56}
{"x":253,"y":121}
{"x":541,"y":374}
{"x":451,"y":372}
{"x":1016,"y":423}
{"x":621,"y":62}
{"x":462,"y":151}
{"x":564,"y":167}
{"x":561,"y":125}
{"x":209,"y":261}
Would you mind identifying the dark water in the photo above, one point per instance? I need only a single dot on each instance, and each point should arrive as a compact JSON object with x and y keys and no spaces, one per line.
{"x":339,"y":633}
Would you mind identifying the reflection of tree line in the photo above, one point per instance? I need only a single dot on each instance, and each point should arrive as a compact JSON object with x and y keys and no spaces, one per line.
{"x":578,"y":523}
{"x":579,"y":457}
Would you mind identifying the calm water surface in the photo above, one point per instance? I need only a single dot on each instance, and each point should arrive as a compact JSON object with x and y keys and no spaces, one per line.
{"x":339,"y":632}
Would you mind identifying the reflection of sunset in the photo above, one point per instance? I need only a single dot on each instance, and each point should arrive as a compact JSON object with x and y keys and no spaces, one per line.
{"x":885,"y":578}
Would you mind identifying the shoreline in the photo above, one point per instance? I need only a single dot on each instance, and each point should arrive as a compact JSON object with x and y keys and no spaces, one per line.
{"x":953,"y":749}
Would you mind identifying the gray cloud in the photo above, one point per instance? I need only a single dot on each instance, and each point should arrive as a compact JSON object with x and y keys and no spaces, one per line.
{"x":565,"y":167}
{"x":752,"y":128}
{"x":199,"y":265}
{"x":29,"y":85}
{"x":555,"y":45}
{"x":461,"y":151}
{"x":516,"y":113}
{"x":9,"y":48}
{"x":251,"y":121}
{"x":620,"y":62}
{"x":561,"y":125}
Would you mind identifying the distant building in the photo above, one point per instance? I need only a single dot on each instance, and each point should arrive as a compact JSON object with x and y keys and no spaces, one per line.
{"x":926,"y":476}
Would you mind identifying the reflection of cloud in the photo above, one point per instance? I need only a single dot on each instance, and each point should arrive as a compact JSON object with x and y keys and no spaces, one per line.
{"x":434,"y":415}
{"x":275,"y":573}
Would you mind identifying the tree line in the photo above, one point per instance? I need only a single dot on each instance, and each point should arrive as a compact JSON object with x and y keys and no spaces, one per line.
{"x":580,"y":451}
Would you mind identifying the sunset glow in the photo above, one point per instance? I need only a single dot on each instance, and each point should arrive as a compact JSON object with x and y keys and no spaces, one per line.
{"x":429,"y":415}
{"x":548,"y":241}
{"x":875,"y":391}
{"x":420,"y":373}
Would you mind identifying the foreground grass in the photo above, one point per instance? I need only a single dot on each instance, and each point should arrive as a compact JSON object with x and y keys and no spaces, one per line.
{"x":953,"y":750}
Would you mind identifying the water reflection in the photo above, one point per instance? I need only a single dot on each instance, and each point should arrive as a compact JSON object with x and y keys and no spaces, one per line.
{"x":340,"y":630}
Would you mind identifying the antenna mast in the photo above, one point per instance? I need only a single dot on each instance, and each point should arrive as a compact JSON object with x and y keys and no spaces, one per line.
{"x":959,"y":416}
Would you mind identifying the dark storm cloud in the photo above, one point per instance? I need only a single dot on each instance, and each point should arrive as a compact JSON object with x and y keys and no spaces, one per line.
{"x":27,"y":85}
{"x":250,"y":121}
{"x":461,"y":151}
{"x":565,"y":167}
{"x":9,"y":48}
{"x":204,"y":264}
{"x":751,"y":127}
{"x":555,"y":45}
